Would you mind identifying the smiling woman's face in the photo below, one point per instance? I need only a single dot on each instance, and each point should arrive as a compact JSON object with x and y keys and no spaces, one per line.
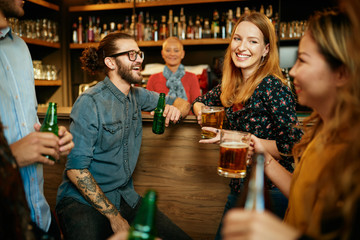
{"x":247,"y":47}
{"x":315,"y":82}
{"x":172,"y":53}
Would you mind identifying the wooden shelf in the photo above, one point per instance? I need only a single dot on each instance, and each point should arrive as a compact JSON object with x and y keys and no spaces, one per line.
{"x":179,"y":2}
{"x":101,"y":7}
{"x":186,"y":42}
{"x":48,"y":82}
{"x":290,"y":39}
{"x":45,"y":4}
{"x":113,"y":6}
{"x":41,"y":42}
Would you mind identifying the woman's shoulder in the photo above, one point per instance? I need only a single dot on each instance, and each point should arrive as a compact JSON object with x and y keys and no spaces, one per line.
{"x":271,"y":81}
{"x":156,"y":75}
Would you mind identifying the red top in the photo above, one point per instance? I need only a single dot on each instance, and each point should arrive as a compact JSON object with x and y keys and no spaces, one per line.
{"x":157,"y":83}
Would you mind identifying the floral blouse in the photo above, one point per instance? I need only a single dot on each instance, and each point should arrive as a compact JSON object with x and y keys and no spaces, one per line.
{"x":270,"y":113}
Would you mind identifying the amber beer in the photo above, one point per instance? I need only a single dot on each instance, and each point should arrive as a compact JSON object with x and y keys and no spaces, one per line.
{"x":211,"y":116}
{"x":234,"y":146}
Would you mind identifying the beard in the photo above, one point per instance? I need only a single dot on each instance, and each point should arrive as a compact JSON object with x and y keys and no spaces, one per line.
{"x":127,"y":74}
{"x":11,"y":9}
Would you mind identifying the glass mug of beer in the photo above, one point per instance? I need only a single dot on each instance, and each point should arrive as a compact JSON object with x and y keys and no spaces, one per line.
{"x":211,"y":116}
{"x":234,"y":146}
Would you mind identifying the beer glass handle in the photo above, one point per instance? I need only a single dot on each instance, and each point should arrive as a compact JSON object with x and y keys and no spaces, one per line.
{"x":255,"y":197}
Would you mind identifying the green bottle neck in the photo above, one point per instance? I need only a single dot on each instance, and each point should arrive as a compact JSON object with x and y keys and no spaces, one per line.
{"x":51,"y":114}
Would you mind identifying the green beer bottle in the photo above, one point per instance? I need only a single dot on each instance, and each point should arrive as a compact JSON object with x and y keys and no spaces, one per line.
{"x":159,"y":119}
{"x":143,"y":227}
{"x":50,"y":122}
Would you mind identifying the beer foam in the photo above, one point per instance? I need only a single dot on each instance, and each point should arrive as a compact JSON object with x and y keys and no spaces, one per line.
{"x":212,"y":110}
{"x":234,"y":145}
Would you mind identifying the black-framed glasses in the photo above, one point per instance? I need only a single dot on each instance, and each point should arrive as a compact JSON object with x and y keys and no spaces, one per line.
{"x":132,"y":54}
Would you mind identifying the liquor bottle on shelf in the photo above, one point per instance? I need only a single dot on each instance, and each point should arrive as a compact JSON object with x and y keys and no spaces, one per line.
{"x":163,"y":28}
{"x":132,"y":26}
{"x":182,"y":25}
{"x":144,"y":227}
{"x":104,"y":32}
{"x":246,"y":11}
{"x":176,"y":26}
{"x":126,"y":26}
{"x":155,"y":31}
{"x":97,"y":31}
{"x":190,"y":31}
{"x":237,"y":14}
{"x":215,"y":29}
{"x":75,"y":38}
{"x":223,"y":26}
{"x":206,"y":30}
{"x":140,"y":27}
{"x":269,"y":12}
{"x":50,"y":122}
{"x":159,"y":120}
{"x":229,"y":23}
{"x":262,"y":10}
{"x":198,"y":28}
{"x":119,"y":27}
{"x":112,"y":27}
{"x":147,"y":28}
{"x":80,"y":31}
{"x":170,"y":24}
{"x":90,"y":31}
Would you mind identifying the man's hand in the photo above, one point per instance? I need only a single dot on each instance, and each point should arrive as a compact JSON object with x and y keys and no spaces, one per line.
{"x":65,"y":140}
{"x":31,"y":148}
{"x":172,"y":114}
{"x":197,"y":111}
{"x":118,"y":223}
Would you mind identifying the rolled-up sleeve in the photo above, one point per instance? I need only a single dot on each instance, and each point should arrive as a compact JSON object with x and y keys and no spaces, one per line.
{"x":84,"y":128}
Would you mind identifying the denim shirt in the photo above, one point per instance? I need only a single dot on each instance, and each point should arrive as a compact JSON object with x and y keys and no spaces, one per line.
{"x":18,"y":112}
{"x":107,"y":129}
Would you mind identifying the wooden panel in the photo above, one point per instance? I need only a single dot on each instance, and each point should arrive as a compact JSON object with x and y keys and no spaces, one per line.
{"x":45,"y":4}
{"x":183,"y":172}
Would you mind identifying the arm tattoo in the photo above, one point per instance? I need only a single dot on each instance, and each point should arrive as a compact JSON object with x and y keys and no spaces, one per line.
{"x":93,"y":194}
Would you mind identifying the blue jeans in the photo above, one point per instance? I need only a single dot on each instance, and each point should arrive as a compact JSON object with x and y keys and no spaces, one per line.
{"x":278,"y":205}
{"x":80,"y":221}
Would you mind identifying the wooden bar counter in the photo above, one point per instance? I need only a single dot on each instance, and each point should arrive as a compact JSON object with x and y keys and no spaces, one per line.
{"x":180,"y":169}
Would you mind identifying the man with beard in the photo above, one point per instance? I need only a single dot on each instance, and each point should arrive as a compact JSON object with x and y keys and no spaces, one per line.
{"x":97,"y":197}
{"x":18,"y":112}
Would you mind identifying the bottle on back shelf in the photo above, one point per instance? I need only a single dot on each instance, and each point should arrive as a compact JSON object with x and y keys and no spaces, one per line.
{"x":198,"y":28}
{"x":170,"y":24}
{"x":140,"y":27}
{"x":90,"y":30}
{"x":206,"y":29}
{"x":97,"y":31}
{"x":190,"y":31}
{"x":163,"y":28}
{"x":147,"y":28}
{"x":215,"y":28}
{"x":176,"y":26}
{"x":75,"y":34}
{"x":229,"y":23}
{"x":80,"y":31}
{"x":155,"y":31}
{"x":182,"y":25}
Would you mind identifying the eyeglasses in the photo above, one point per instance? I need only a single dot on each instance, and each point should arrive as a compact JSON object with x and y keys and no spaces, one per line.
{"x":132,"y":54}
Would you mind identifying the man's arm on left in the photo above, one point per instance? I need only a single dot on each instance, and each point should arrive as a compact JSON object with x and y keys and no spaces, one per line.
{"x":175,"y":112}
{"x":183,"y":106}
